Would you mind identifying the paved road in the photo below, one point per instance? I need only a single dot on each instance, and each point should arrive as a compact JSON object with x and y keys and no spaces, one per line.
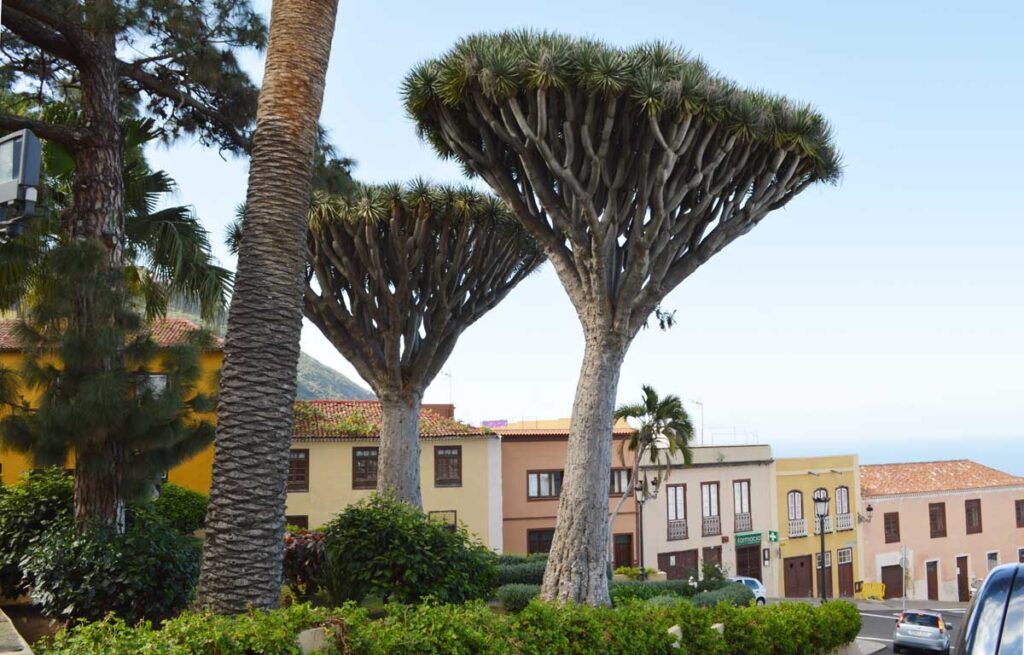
{"x":877,"y":624}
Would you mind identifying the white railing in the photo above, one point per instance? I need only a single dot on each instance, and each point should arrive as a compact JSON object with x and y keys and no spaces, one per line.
{"x":744,"y":523}
{"x":677,"y":530}
{"x":797,"y":527}
{"x":844,"y":522}
{"x":828,"y":524}
{"x":712,"y":525}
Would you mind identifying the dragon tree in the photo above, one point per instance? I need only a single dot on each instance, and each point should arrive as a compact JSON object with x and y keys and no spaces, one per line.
{"x":631,"y":168}
{"x":396,"y":274}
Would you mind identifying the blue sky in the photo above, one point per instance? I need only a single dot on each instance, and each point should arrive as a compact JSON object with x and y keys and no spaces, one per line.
{"x":882,"y":316}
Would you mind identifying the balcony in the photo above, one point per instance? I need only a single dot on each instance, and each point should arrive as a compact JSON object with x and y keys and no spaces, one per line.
{"x":677,"y":530}
{"x":711,"y":526}
{"x":744,"y":523}
{"x":844,"y":522}
{"x":797,"y":527}
{"x":828,"y":525}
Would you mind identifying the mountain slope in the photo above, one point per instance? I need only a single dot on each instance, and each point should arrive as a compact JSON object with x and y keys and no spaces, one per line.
{"x":317,"y":381}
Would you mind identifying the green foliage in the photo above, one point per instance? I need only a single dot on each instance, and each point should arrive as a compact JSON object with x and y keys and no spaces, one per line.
{"x":633,"y":572}
{"x":318,"y":381}
{"x":654,"y":79}
{"x":622,"y":592}
{"x":385,"y":548}
{"x":735,"y":593}
{"x":712,"y":576}
{"x":525,"y":572}
{"x":84,"y":572}
{"x":40,"y":499}
{"x":506,"y":558}
{"x":473,"y":629}
{"x":98,"y":401}
{"x":304,"y":563}
{"x":514,"y":597}
{"x":180,"y":508}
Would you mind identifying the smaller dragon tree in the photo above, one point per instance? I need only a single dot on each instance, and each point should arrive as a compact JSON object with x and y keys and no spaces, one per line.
{"x":632,"y":168}
{"x":395,"y":275}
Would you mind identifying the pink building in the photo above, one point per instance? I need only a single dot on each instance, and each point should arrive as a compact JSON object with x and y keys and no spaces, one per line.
{"x":936,"y":527}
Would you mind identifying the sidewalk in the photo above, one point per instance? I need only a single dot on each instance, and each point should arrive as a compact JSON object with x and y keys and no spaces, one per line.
{"x":11,"y":642}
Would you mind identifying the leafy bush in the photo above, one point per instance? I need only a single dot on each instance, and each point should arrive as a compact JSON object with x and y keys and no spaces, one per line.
{"x":712,"y":577}
{"x":149,"y":572}
{"x":472,"y":629}
{"x":386,"y":548}
{"x":27,"y":509}
{"x":514,"y":597}
{"x":304,"y":563}
{"x":642,"y":590}
{"x":528,"y":572}
{"x":633,"y":572}
{"x":735,"y":593}
{"x":520,"y":559}
{"x":181,"y":508}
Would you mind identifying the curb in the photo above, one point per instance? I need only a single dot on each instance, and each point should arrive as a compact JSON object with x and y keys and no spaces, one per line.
{"x":11,"y":643}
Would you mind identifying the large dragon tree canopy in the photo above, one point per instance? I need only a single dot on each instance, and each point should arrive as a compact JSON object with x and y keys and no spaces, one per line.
{"x":631,"y":166}
{"x":397,"y":272}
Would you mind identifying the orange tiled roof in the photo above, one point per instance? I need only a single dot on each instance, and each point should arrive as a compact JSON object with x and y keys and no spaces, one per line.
{"x":360,"y":419}
{"x":166,"y":332}
{"x":923,"y":477}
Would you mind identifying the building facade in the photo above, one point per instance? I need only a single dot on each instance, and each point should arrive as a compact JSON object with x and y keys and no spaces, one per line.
{"x":719,"y":510}
{"x":937,"y":527}
{"x":533,"y":455}
{"x":799,"y":533}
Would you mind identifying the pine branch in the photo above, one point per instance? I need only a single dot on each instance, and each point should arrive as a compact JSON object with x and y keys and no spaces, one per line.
{"x":70,"y":136}
{"x":36,"y":33}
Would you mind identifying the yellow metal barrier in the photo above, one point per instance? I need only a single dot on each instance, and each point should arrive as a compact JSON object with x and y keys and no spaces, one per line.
{"x":869,"y":590}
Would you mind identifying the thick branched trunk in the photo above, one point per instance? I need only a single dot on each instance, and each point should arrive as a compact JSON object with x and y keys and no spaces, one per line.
{"x":245,"y":525}
{"x":578,"y":563}
{"x":398,"y":468}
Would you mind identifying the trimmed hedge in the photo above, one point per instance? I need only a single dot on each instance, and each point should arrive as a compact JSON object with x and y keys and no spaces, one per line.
{"x":515,"y":597}
{"x":642,"y":590}
{"x":473,"y":629}
{"x":527,"y":572}
{"x":735,"y":594}
{"x":662,"y":593}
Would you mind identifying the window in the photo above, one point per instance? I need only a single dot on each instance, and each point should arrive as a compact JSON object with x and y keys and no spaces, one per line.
{"x":937,"y":519}
{"x":676,"y":494}
{"x":620,"y":481}
{"x":298,"y":470}
{"x":842,"y":500}
{"x":992,"y":559}
{"x":449,"y":517}
{"x":155,"y":384}
{"x":795,"y":503}
{"x":828,"y":559}
{"x":539,"y":541}
{"x":1020,"y":513}
{"x":364,"y":468}
{"x":741,"y":496}
{"x":543,"y":485}
{"x":709,"y":498}
{"x":845,"y":555}
{"x":447,"y":466}
{"x":972,"y":508}
{"x":301,"y":522}
{"x":1020,"y":555}
{"x":892,"y":527}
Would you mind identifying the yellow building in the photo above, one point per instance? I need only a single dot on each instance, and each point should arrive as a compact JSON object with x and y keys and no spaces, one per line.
{"x":166,"y":332}
{"x":797,"y":479}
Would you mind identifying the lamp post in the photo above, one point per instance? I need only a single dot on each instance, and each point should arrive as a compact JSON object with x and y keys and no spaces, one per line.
{"x":642,"y":491}
{"x":821,"y":499}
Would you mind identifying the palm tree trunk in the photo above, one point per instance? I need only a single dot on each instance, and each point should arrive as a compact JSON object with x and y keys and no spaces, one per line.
{"x":398,"y":470}
{"x":245,"y":525}
{"x":578,"y":562}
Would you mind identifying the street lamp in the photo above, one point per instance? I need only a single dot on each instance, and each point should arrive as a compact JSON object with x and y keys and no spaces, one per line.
{"x":642,"y":491}
{"x":821,"y":499}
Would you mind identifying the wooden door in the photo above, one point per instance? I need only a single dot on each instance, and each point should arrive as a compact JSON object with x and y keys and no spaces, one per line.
{"x":828,"y":582}
{"x":932,"y":573}
{"x":846,"y":579}
{"x":892,"y":578}
{"x":962,"y":580}
{"x":622,"y":554}
{"x":678,"y":565}
{"x":748,"y":561}
{"x":797,"y":576}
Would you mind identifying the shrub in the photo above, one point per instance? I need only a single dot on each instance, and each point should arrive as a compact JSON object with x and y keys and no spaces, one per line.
{"x":181,"y":508}
{"x":528,"y":572}
{"x":712,"y":577}
{"x":472,"y":629}
{"x":521,"y":559}
{"x":27,"y":509}
{"x":382,"y":547}
{"x":304,"y":563}
{"x":514,"y":597}
{"x":735,"y":594}
{"x":633,"y":572}
{"x":148,"y":572}
{"x":642,"y":590}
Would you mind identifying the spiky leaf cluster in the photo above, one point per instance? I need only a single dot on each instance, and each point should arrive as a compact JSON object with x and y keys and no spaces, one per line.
{"x":631,"y":167}
{"x":397,"y":272}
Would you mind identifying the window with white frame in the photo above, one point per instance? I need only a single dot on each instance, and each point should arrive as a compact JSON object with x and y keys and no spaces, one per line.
{"x":676,"y":494}
{"x":993,"y":559}
{"x":741,"y":496}
{"x":795,"y":503}
{"x":828,"y":559}
{"x":709,"y":498}
{"x":842,"y":500}
{"x":845,"y":555}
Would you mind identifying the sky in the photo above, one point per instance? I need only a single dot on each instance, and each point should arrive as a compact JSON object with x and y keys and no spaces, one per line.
{"x":882,"y":316}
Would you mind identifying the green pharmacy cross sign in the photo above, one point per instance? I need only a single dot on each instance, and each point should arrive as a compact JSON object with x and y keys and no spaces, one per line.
{"x":748,"y":539}
{"x":773,"y":536}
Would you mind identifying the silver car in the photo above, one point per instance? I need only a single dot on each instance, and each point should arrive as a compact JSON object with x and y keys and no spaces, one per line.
{"x":922,"y":630}
{"x":755,"y":586}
